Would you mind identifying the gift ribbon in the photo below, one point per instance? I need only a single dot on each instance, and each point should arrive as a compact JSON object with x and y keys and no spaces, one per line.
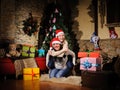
{"x":33,"y":74}
{"x":29,"y":51}
{"x":88,"y":52}
{"x":88,"y":65}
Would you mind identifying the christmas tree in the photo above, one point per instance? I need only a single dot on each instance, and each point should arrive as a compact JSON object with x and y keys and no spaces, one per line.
{"x":53,"y":20}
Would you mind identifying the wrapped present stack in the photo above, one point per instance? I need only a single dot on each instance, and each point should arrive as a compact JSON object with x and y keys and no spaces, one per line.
{"x":92,"y":74}
{"x":90,"y":61}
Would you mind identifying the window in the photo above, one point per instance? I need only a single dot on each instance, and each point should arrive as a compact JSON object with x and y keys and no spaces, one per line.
{"x":113,"y":12}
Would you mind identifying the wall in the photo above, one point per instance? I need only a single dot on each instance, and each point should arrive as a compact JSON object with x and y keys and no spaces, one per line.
{"x":87,"y":27}
{"x":109,"y":47}
{"x":7,"y":28}
{"x":12,"y":16}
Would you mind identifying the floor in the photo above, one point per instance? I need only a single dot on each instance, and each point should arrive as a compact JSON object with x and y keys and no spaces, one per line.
{"x":36,"y":85}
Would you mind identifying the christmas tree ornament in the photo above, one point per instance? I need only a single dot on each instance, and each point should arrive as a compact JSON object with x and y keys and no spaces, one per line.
{"x":56,"y":10}
{"x":54,"y":27}
{"x":113,"y":34}
{"x":50,"y":29}
{"x":54,"y":20}
{"x":60,"y":14}
{"x":50,"y":21}
{"x":53,"y":34}
{"x":46,"y":38}
{"x":47,"y":34}
{"x":51,"y":16}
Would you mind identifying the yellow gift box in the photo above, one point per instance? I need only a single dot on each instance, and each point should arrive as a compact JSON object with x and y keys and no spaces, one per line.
{"x":31,"y":73}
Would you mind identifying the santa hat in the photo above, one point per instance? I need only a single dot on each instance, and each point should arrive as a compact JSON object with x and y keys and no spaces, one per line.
{"x":53,"y":41}
{"x":58,"y":32}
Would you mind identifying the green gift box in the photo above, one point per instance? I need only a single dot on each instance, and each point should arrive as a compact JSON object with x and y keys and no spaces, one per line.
{"x":28,"y":51}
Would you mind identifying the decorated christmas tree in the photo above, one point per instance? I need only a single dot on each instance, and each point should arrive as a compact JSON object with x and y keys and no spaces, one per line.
{"x":53,"y":20}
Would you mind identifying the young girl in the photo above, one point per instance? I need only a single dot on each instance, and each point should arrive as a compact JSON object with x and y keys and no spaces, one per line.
{"x":60,"y":68}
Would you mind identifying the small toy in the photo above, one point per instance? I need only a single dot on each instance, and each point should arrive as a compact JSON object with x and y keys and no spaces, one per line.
{"x":13,"y":51}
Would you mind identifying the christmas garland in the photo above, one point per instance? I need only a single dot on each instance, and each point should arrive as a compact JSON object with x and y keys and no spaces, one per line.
{"x":30,"y":25}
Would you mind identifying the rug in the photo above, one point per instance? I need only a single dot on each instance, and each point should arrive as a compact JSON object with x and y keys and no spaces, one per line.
{"x":73,"y":80}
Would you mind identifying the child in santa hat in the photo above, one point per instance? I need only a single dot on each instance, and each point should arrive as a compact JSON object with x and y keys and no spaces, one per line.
{"x":59,"y":67}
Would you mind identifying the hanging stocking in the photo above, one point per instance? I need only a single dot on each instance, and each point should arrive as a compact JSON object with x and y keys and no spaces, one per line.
{"x":113,"y":34}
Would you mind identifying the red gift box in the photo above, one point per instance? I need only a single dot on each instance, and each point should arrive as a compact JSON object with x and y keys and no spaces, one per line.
{"x":88,"y":54}
{"x":6,"y":66}
{"x":41,"y":62}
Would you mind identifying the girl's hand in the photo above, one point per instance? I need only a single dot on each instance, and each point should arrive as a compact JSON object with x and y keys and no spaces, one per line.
{"x":65,"y":49}
{"x":49,"y":52}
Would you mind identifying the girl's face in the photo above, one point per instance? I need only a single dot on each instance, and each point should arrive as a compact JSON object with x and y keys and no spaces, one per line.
{"x":61,"y":37}
{"x":56,"y":46}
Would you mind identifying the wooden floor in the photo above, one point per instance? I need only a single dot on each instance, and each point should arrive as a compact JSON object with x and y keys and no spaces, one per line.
{"x":36,"y":85}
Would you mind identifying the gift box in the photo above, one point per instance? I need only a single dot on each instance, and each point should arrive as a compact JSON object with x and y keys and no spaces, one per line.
{"x":90,"y":63}
{"x":28,"y":51}
{"x":41,"y":52}
{"x":31,"y":73}
{"x":41,"y":62}
{"x":6,"y":66}
{"x":88,"y":54}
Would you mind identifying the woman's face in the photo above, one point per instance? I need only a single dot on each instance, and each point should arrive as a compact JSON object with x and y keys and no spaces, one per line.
{"x":61,"y":37}
{"x":56,"y":46}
